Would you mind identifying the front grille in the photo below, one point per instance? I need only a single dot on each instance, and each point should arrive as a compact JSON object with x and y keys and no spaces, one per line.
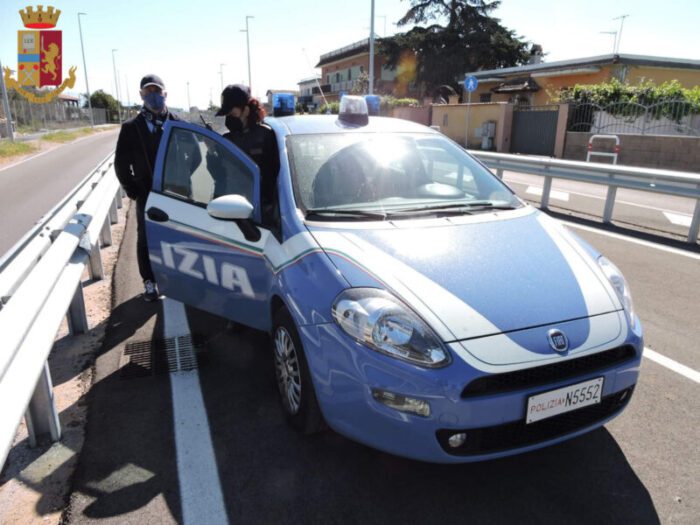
{"x":542,"y":375}
{"x":488,"y":440}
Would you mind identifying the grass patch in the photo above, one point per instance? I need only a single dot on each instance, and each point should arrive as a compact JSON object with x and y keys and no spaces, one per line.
{"x":11,"y":149}
{"x":67,"y":136}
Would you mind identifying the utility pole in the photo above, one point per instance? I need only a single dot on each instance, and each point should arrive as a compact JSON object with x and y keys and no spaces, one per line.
{"x":6,"y":106}
{"x":221,"y":74}
{"x":247,"y":40}
{"x":128,"y":98}
{"x":371,"y":51}
{"x":621,"y":18}
{"x":116,"y":86}
{"x":189,"y":104}
{"x":87,"y":86}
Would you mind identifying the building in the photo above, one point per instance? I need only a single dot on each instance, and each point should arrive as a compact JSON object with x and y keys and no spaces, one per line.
{"x":306,"y":94}
{"x":341,"y":68}
{"x":536,"y":84}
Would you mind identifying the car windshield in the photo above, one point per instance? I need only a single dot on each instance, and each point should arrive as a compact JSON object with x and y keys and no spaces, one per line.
{"x":370,"y":176}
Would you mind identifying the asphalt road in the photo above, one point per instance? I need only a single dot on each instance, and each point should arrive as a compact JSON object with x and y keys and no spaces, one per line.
{"x":31,"y":188}
{"x":640,"y":468}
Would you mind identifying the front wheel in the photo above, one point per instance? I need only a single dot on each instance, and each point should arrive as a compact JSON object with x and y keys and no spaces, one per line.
{"x":293,"y":377}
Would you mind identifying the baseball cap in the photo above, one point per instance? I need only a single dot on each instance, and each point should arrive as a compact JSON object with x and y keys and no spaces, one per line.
{"x":152,"y":80}
{"x":233,"y":96}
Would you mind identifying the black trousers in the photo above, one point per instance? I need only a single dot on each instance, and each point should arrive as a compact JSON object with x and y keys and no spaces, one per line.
{"x":141,"y":244}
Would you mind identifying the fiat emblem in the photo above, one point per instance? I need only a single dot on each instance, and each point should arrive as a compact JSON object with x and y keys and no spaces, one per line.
{"x":558,"y":341}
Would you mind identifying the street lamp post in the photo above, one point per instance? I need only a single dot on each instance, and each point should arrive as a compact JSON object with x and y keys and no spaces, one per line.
{"x":116,"y":86}
{"x":87,"y":86}
{"x":371,"y":51}
{"x":189,"y":104}
{"x":247,"y":41}
{"x":221,"y":74}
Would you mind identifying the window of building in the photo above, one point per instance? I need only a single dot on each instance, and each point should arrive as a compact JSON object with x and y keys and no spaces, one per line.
{"x":485,"y":97}
{"x":350,"y":74}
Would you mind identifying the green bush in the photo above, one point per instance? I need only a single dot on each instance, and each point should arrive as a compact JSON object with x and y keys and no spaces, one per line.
{"x":671,"y":99}
{"x":332,"y":108}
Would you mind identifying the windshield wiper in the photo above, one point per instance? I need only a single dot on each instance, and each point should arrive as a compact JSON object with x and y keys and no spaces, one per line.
{"x":358,"y":214}
{"x":464,"y":207}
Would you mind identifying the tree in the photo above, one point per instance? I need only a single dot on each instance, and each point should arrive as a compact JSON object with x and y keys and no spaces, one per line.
{"x":468,"y":40}
{"x":100,"y":99}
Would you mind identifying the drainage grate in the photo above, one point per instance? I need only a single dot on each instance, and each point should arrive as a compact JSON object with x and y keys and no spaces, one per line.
{"x":160,"y":356}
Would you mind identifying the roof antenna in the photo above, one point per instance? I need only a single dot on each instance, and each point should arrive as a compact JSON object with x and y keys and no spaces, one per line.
{"x":303,"y":50}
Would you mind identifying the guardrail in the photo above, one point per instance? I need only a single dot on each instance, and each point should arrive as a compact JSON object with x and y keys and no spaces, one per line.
{"x":678,"y":183}
{"x":40,"y":285}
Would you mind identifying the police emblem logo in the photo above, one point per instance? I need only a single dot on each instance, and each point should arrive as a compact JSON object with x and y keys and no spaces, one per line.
{"x":558,"y":341}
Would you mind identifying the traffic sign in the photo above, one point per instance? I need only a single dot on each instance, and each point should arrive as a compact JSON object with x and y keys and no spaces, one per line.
{"x":470,"y":83}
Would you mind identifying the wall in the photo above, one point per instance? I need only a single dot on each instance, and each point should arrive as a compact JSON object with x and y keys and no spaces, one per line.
{"x":649,"y":151}
{"x":687,"y":77}
{"x":452,"y":120}
{"x":419,"y":115}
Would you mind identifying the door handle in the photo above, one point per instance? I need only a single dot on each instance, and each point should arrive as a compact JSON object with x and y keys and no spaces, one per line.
{"x":156,"y":214}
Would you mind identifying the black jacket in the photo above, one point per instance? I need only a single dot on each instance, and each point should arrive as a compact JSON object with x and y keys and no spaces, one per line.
{"x":135,"y":157}
{"x":260,"y":144}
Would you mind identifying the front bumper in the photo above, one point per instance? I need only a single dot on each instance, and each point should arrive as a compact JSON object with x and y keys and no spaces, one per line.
{"x":345,"y":372}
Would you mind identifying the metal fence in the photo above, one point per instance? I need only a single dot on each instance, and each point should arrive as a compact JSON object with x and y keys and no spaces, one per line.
{"x":27,"y":116}
{"x":674,"y":117}
{"x":667,"y":182}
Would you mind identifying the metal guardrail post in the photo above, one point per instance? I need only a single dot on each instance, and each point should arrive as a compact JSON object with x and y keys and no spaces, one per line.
{"x":695,"y":223}
{"x":106,"y":233}
{"x":77,"y":316}
{"x":97,"y":271}
{"x":544,"y":203}
{"x":499,"y":173}
{"x":609,"y":201}
{"x":42,"y":416}
{"x":113,"y":212}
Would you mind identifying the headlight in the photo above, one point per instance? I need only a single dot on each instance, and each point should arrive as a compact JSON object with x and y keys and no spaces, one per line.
{"x":618,"y":282}
{"x":379,"y":320}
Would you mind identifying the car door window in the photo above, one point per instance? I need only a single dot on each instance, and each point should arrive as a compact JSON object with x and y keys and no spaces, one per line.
{"x":198,"y":169}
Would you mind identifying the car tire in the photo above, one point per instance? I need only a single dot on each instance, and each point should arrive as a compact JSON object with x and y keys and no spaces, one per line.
{"x":293,"y":378}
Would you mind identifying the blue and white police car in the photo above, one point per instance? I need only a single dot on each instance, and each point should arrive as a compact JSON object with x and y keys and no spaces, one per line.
{"x":415,"y":303}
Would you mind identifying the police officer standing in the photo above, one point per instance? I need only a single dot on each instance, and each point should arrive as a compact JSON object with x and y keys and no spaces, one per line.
{"x":244,"y":120}
{"x":134,"y":161}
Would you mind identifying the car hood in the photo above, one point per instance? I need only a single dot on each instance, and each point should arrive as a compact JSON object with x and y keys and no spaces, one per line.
{"x":475,"y":276}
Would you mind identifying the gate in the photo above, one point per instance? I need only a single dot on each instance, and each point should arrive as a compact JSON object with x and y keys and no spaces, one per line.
{"x":534,"y":130}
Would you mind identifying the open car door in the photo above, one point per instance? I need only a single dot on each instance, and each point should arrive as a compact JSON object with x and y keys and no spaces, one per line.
{"x":199,"y":258}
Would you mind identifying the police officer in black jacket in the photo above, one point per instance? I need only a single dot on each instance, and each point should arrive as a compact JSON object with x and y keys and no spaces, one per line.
{"x":244,"y":120}
{"x":134,"y":161}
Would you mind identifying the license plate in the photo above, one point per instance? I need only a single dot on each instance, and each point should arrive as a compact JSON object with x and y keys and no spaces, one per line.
{"x":563,"y":400}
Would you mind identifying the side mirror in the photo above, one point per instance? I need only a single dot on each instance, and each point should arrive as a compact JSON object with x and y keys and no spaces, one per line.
{"x":230,"y":207}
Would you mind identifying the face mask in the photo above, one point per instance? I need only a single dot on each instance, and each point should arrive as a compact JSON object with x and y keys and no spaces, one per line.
{"x":233,"y":123}
{"x":154,"y":101}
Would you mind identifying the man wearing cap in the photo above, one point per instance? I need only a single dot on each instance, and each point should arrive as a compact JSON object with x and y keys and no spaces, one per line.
{"x":244,"y":120}
{"x":134,"y":160}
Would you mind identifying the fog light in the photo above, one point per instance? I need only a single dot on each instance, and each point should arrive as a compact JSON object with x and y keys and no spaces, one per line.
{"x":457,"y":440}
{"x":402,"y":403}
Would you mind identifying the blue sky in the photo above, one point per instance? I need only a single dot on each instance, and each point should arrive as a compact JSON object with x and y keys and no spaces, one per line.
{"x":185,"y":41}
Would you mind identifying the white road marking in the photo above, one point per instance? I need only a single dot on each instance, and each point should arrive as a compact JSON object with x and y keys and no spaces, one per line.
{"x":198,"y":475}
{"x":641,"y":242}
{"x":553,"y":194}
{"x":669,"y":363}
{"x":681,"y":219}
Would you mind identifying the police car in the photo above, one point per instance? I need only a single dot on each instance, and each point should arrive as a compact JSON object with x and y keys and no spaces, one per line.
{"x":415,"y":303}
